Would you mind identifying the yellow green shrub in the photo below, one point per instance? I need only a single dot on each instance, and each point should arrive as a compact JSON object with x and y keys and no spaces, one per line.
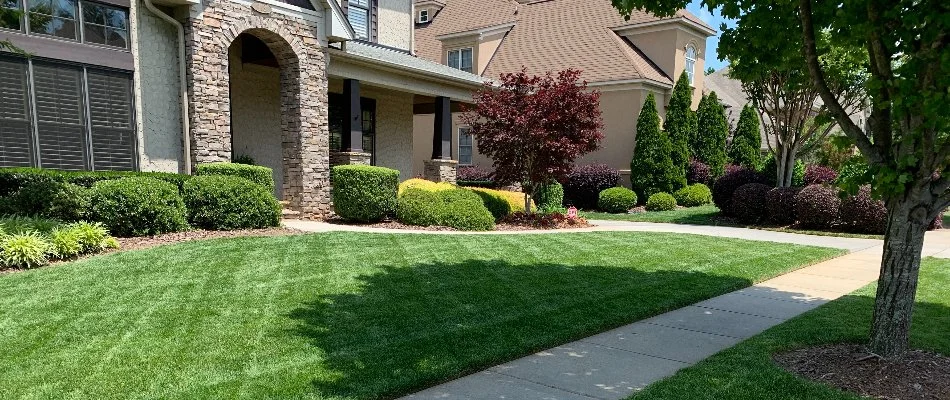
{"x":419,"y":183}
{"x":514,"y":199}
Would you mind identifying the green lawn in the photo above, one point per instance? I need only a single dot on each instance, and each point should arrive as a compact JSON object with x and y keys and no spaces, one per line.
{"x":344,"y":315}
{"x":708,"y":215}
{"x":747,"y":372}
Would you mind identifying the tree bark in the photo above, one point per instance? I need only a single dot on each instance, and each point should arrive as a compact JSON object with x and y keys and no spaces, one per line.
{"x":897,"y":285}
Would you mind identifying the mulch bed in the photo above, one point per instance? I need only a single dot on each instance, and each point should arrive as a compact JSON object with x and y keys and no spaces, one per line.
{"x":917,"y":375}
{"x":145,"y":242}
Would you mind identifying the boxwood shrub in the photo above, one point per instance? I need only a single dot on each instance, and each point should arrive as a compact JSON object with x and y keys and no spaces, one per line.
{"x":419,"y":183}
{"x":12,"y":179}
{"x":255,"y":173}
{"x":138,"y":206}
{"x":51,"y":199}
{"x":817,"y":206}
{"x":364,"y":193}
{"x":419,"y":207}
{"x":727,"y":184}
{"x":748,"y":202}
{"x":515,"y":199}
{"x":229,"y":202}
{"x":780,"y":205}
{"x":584,"y":184}
{"x":617,"y":200}
{"x":463,"y":210}
{"x":496,"y":202}
{"x":661,"y":202}
{"x":694,"y":195}
{"x":549,"y":195}
{"x":862,"y":213}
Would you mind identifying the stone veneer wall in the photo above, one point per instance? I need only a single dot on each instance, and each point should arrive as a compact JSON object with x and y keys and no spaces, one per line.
{"x":158,"y":92}
{"x":305,"y":135}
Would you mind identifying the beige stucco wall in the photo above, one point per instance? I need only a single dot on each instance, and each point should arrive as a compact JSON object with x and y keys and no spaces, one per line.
{"x":158,"y":92}
{"x":486,"y":51}
{"x":255,"y":115}
{"x":667,"y":49}
{"x":423,"y":128}
{"x":394,"y":139}
{"x":395,"y":23}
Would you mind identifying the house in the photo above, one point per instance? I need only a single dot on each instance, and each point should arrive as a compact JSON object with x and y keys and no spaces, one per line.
{"x":161,"y":85}
{"x":624,"y":59}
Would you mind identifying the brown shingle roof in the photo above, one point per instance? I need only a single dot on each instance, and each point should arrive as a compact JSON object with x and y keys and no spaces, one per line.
{"x":550,"y":35}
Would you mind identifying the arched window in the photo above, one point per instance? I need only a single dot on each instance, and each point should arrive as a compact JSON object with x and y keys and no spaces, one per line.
{"x":690,"y":62}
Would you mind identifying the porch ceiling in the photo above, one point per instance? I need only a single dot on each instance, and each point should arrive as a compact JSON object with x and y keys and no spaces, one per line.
{"x":397,"y":70}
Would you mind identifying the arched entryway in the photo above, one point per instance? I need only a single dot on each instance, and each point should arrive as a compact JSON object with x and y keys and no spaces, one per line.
{"x":256,"y":132}
{"x":257,"y":89}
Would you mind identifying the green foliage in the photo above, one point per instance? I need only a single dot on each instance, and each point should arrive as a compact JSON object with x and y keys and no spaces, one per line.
{"x":652,"y":169}
{"x":549,"y":195}
{"x":496,"y":203}
{"x":364,"y":193}
{"x":65,"y":243}
{"x":711,"y":133}
{"x":616,"y":200}
{"x":244,"y":159}
{"x":255,"y":173}
{"x":680,"y":125}
{"x":51,"y":199}
{"x":12,"y":179}
{"x":769,"y":171}
{"x":221,"y":202}
{"x":746,"y":146}
{"x":854,"y":173}
{"x":23,"y":224}
{"x":461,"y":209}
{"x":23,"y":250}
{"x":661,"y":202}
{"x":138,"y":206}
{"x":694,"y":195}
{"x":419,"y":207}
{"x":93,"y":237}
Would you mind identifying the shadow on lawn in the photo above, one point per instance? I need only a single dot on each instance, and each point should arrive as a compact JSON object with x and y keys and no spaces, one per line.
{"x":405,"y":328}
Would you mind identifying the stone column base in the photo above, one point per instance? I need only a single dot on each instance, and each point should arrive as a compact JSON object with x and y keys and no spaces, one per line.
{"x":349,"y":158}
{"x":439,"y":170}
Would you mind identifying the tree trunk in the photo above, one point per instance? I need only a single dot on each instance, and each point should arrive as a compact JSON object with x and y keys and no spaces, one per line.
{"x":897,"y":285}
{"x":784,"y":166}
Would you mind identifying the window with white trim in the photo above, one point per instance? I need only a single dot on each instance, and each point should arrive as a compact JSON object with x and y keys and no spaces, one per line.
{"x":423,"y":16}
{"x":461,"y":59}
{"x":690,"y":62}
{"x":465,"y":145}
{"x":358,"y":12}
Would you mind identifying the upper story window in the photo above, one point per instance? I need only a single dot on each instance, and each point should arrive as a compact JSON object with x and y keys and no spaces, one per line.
{"x":461,"y":59}
{"x":358,"y":12}
{"x":423,"y":16}
{"x":101,"y":24}
{"x":690,"y":62}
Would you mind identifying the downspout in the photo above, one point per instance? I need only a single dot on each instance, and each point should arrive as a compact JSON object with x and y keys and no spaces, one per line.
{"x":182,"y":79}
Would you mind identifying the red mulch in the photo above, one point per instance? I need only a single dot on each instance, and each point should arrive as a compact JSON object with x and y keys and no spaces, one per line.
{"x":917,"y":375}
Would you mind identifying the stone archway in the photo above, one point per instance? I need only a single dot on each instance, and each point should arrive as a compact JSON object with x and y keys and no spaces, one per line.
{"x":303,"y":120}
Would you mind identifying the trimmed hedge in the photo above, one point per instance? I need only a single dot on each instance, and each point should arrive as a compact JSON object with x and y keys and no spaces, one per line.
{"x":515,"y":200}
{"x":419,"y":183}
{"x":496,"y":203}
{"x":550,"y":195}
{"x":51,"y":199}
{"x":364,"y":193}
{"x":457,"y":208}
{"x":817,"y":206}
{"x":583,"y":185}
{"x":862,"y":213}
{"x":138,"y":206}
{"x":220,"y":202}
{"x":780,"y":205}
{"x":419,"y":207}
{"x":661,"y":202}
{"x":12,"y":179}
{"x":727,"y":184}
{"x":749,"y":202}
{"x":694,"y":195}
{"x":255,"y":173}
{"x":617,"y":200}
{"x":473,"y":175}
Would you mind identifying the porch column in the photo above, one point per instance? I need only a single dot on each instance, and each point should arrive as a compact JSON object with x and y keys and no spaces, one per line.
{"x":441,"y":168}
{"x":351,"y":139}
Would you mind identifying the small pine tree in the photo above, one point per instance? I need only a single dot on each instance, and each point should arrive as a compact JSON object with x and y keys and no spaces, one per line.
{"x":746,"y":143}
{"x":679,"y":125}
{"x":652,"y":170}
{"x":712,"y":130}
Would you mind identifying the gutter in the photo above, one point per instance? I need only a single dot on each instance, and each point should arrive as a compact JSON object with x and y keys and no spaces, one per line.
{"x":182,"y":80}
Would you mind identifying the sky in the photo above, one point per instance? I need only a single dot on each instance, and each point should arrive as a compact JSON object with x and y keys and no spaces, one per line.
{"x":714,"y":20}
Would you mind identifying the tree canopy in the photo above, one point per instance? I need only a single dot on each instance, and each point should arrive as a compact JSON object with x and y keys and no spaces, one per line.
{"x":746,"y":146}
{"x":651,"y":169}
{"x":711,"y":133}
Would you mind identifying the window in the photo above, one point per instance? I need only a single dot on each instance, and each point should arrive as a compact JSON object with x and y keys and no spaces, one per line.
{"x":11,"y":14}
{"x":358,"y":12}
{"x":105,"y":25}
{"x":461,"y":59}
{"x":465,"y":146}
{"x":54,"y":18}
{"x":424,"y":16}
{"x":101,"y":24}
{"x":335,"y":110}
{"x":690,"y":62}
{"x":64,"y":116}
